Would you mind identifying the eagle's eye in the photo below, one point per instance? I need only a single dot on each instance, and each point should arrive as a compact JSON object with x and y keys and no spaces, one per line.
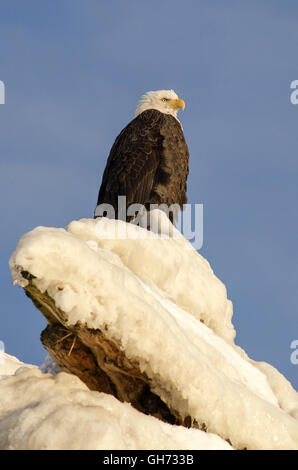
{"x":165,"y":99}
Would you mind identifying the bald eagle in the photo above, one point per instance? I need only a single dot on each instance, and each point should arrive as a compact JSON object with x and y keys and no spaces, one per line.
{"x":148,"y":162}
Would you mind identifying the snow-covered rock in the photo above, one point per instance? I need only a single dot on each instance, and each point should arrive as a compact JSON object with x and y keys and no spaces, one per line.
{"x":160,"y":300}
{"x":45,"y":411}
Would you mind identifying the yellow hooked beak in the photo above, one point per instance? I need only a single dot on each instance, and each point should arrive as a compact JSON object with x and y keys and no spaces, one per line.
{"x":178,"y":104}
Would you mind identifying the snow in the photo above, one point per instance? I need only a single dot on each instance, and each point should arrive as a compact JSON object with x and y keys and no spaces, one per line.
{"x":182,"y":272}
{"x":160,"y":300}
{"x":45,"y":411}
{"x":9,"y":364}
{"x":287,"y":397}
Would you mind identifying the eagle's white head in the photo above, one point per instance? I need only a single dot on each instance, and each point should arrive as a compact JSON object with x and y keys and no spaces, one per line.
{"x":165,"y":101}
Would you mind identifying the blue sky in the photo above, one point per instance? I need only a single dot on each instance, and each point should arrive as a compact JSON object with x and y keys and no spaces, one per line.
{"x":74,"y":71}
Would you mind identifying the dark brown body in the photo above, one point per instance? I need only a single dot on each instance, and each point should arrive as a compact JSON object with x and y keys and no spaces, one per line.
{"x":148,"y":163}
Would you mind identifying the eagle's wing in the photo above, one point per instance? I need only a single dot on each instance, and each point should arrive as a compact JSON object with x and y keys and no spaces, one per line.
{"x":133,"y":161}
{"x":171,"y":176}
